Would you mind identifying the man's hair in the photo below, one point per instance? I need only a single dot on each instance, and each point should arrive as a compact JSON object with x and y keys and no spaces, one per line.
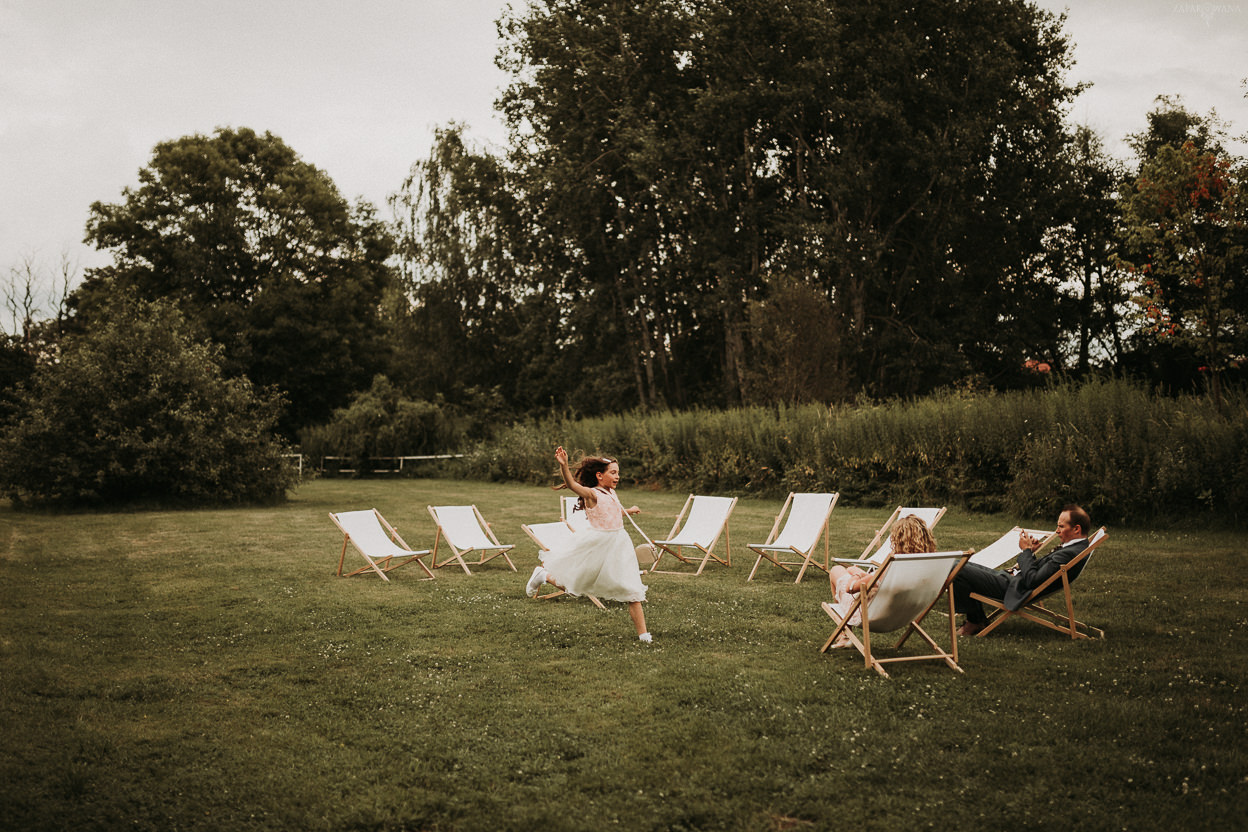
{"x":1079,"y":517}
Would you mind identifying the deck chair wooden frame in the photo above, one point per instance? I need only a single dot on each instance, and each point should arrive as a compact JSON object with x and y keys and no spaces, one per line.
{"x":546,"y":536}
{"x":576,"y":520}
{"x":883,"y":538}
{"x":807,"y":521}
{"x":464,"y":531}
{"x":698,"y":526}
{"x":902,"y":591}
{"x":1034,"y":610}
{"x":377,"y":542}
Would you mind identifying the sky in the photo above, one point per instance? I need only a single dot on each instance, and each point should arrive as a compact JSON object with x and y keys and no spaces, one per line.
{"x":89,"y":87}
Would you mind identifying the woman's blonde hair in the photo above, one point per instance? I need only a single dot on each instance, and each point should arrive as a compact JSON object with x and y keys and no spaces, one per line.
{"x":911,"y":536}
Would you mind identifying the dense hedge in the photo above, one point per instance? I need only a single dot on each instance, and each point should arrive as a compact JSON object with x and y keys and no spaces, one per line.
{"x":138,"y":410}
{"x":1126,"y":454}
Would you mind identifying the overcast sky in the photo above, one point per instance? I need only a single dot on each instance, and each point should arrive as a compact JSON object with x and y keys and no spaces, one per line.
{"x":89,"y":87}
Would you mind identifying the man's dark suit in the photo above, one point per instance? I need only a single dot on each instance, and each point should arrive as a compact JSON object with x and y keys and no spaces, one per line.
{"x":1012,"y":589}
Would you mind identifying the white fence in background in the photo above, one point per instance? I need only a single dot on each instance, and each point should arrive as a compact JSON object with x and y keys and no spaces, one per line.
{"x":378,"y":464}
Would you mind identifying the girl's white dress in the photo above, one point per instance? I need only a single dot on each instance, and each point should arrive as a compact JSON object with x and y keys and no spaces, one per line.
{"x":600,"y":560}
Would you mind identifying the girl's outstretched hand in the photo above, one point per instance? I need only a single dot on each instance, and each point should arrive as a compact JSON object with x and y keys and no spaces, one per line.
{"x":632,"y":510}
{"x":561,"y":456}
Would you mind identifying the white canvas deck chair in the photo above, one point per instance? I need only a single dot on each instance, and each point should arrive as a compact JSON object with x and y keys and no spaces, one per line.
{"x":1034,"y":610}
{"x":1005,"y":548}
{"x":900,"y":594}
{"x":704,"y":519}
{"x":547,"y":536}
{"x":377,"y":542}
{"x":807,"y":519}
{"x":465,"y":531}
{"x":930,"y":517}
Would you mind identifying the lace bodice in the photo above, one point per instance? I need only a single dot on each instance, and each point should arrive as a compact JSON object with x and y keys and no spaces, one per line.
{"x":607,"y":514}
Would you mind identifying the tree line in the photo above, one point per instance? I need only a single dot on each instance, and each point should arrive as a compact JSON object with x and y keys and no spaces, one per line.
{"x":700,"y":204}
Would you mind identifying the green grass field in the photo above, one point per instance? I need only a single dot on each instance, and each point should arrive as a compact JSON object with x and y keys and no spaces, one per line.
{"x":207,"y":670}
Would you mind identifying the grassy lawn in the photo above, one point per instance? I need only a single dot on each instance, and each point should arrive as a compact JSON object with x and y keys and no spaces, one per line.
{"x":207,"y":670}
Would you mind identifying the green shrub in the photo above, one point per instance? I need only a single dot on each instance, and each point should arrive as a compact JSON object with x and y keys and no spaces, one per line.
{"x":381,"y":422}
{"x":137,"y":410}
{"x":1125,"y":453}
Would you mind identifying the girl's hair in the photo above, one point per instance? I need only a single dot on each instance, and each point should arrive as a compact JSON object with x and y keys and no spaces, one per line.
{"x":587,"y":475}
{"x":911,"y":536}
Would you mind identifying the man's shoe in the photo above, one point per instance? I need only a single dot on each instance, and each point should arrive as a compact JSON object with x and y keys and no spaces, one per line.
{"x":970,"y":628}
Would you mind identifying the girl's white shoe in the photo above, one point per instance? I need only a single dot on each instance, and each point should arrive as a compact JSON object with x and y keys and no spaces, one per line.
{"x":535,"y":581}
{"x":645,"y":637}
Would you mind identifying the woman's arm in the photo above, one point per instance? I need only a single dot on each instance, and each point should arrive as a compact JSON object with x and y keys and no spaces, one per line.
{"x":586,"y":494}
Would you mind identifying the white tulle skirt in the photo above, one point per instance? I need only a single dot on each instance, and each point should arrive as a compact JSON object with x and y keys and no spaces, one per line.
{"x":598,"y":563}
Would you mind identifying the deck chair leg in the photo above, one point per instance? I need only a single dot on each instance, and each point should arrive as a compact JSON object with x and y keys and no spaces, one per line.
{"x":802,"y":572}
{"x":346,"y":539}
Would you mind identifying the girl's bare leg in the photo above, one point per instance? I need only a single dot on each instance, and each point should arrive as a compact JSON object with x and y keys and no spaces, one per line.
{"x":639,"y":617}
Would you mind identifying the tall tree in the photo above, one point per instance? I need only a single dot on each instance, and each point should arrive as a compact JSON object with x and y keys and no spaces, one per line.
{"x":895,"y":157}
{"x":1188,"y":216}
{"x":462,"y":250}
{"x":1082,"y":252}
{"x":259,"y":248}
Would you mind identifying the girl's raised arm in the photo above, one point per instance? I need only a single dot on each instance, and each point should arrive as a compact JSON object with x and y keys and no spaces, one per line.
{"x":586,"y":494}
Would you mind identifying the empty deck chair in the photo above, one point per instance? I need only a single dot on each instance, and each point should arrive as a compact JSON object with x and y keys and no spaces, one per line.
{"x":900,"y":594}
{"x":883,"y":538}
{"x":1005,"y":548}
{"x":807,"y":520}
{"x":1034,"y":610}
{"x":465,"y":531}
{"x":547,"y":536}
{"x":704,"y":520}
{"x":377,"y":542}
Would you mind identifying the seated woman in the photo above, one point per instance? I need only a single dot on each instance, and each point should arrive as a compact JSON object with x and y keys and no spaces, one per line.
{"x":910,"y":536}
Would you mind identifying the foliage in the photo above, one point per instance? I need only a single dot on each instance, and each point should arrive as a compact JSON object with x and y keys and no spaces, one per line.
{"x":1188,"y":217}
{"x":380,"y":422}
{"x":465,"y":324}
{"x":1081,"y":252}
{"x":796,"y":346}
{"x":894,"y":158}
{"x":138,"y":410}
{"x":260,"y":248}
{"x":206,"y":671}
{"x":1111,"y":445}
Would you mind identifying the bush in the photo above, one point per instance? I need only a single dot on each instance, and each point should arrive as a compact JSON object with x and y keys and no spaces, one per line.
{"x":381,"y":422}
{"x":1126,"y":454}
{"x":137,"y":410}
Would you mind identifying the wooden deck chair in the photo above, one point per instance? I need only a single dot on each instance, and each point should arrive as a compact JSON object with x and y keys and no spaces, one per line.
{"x":1005,"y":548}
{"x":704,"y":520}
{"x":547,"y":536}
{"x":901,"y":592}
{"x":930,"y":516}
{"x":377,"y":542}
{"x":1034,"y":610}
{"x":465,"y":530}
{"x":807,"y":519}
{"x":577,"y":520}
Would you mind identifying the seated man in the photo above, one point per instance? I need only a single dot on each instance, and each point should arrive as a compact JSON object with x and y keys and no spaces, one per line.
{"x":1012,"y":587}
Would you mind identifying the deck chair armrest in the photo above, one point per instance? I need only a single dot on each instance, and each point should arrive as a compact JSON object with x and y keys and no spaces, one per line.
{"x":855,"y":561}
